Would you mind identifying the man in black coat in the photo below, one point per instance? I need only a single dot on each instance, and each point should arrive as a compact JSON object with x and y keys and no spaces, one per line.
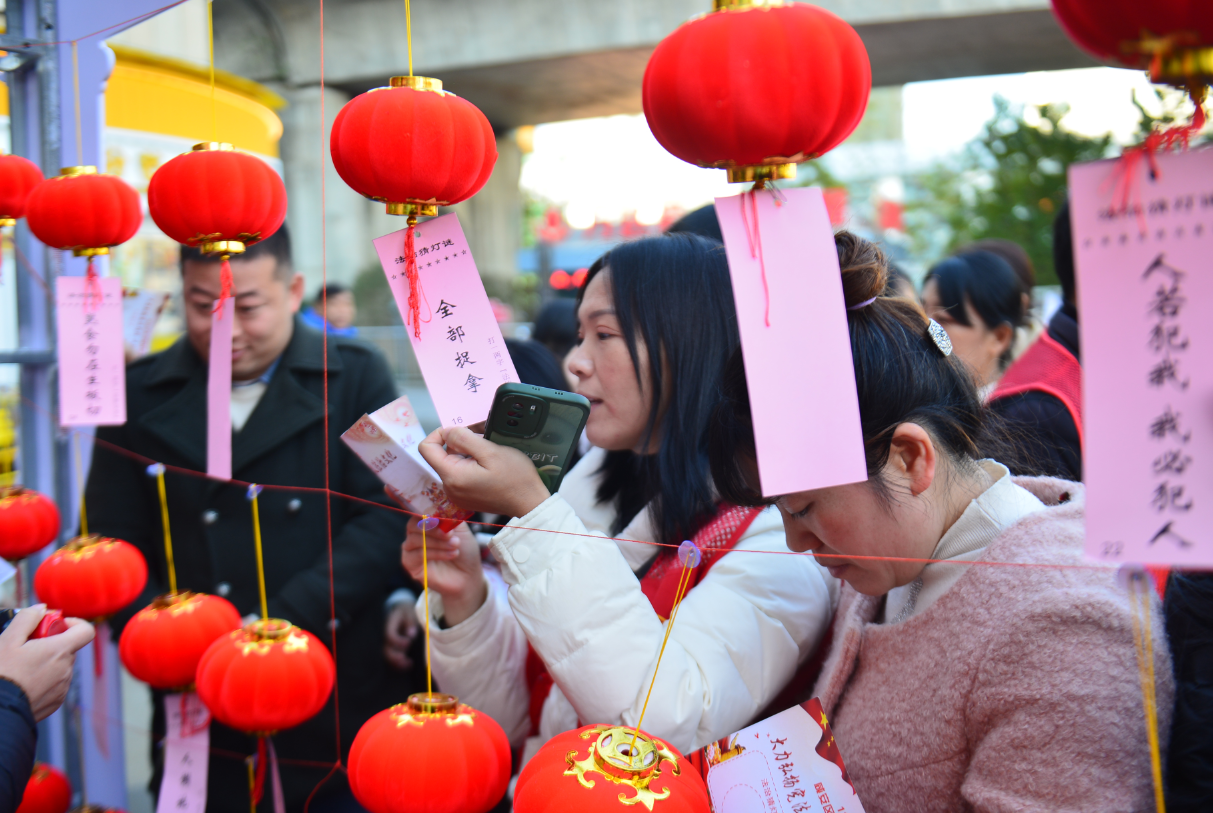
{"x":278,"y":372}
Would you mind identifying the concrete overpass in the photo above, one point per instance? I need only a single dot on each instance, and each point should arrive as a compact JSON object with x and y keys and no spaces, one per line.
{"x":533,"y":61}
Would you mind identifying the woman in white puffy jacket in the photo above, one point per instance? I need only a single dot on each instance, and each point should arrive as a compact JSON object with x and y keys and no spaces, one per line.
{"x":580,"y":579}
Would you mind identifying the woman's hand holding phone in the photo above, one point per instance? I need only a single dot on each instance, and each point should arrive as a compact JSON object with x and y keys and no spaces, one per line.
{"x":480,"y":475}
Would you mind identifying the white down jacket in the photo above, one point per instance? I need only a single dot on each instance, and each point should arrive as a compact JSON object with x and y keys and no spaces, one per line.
{"x":739,"y":637}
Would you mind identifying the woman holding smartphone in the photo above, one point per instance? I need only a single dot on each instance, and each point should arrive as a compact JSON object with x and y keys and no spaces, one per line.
{"x":571,"y":627}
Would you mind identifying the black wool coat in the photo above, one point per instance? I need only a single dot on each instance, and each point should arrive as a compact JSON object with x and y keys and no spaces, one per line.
{"x":211,"y":522}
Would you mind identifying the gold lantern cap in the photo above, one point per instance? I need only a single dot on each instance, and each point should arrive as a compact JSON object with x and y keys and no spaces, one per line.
{"x":79,"y":543}
{"x":417,"y":83}
{"x":212,"y":146}
{"x":433,"y":703}
{"x":625,"y":756}
{"x":738,"y":5}
{"x":269,"y":629}
{"x":75,"y":172}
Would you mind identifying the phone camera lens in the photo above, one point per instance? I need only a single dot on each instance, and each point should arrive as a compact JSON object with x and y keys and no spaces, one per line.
{"x":512,"y":422}
{"x":512,"y":414}
{"x":517,"y":406}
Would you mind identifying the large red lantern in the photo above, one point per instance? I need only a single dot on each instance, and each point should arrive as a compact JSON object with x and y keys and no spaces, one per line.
{"x":28,"y":522}
{"x":265,"y":677}
{"x":91,"y":577}
{"x":163,"y":643}
{"x":432,"y":754}
{"x":756,"y":88}
{"x":83,"y":211}
{"x":18,"y":177}
{"x":47,"y":791}
{"x":1173,"y":39}
{"x":601,"y":767}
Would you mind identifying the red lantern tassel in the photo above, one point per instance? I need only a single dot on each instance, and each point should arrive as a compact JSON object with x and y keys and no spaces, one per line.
{"x":259,"y":777}
{"x":225,"y":284}
{"x":410,"y":273}
{"x":92,"y":287}
{"x":755,"y":239}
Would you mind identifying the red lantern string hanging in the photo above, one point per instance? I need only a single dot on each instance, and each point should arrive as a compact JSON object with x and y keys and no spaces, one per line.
{"x":414,"y":147}
{"x":47,"y":791}
{"x":18,"y":177}
{"x":91,"y":577}
{"x":756,"y":87}
{"x":29,"y":522}
{"x":218,"y":200}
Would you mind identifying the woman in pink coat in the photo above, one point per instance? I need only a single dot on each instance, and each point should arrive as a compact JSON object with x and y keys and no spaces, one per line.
{"x":978,"y":661}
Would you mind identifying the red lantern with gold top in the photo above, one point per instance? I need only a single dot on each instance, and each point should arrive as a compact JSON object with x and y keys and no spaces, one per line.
{"x":265,"y":677}
{"x":756,"y":87}
{"x":47,"y":791}
{"x":28,"y":522}
{"x":83,"y":211}
{"x":18,"y":177}
{"x":1173,"y":39}
{"x":601,"y":768}
{"x":163,"y":643}
{"x":432,"y":754}
{"x":91,"y":577}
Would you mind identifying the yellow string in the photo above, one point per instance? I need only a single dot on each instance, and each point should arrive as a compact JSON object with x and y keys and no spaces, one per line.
{"x":425,"y":586}
{"x":684,"y":580}
{"x":1143,"y":642}
{"x":408,"y":27}
{"x":80,"y":484}
{"x":76,"y":90}
{"x":168,"y":538}
{"x":210,"y":36}
{"x":265,"y":612}
{"x":252,"y":784}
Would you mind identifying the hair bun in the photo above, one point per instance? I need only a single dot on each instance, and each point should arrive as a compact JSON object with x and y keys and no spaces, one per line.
{"x":864,"y":267}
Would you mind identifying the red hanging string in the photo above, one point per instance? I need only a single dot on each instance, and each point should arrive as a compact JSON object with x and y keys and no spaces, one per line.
{"x":259,"y":776}
{"x":226,"y":286}
{"x":92,"y":287}
{"x":410,"y":272}
{"x":755,"y":239}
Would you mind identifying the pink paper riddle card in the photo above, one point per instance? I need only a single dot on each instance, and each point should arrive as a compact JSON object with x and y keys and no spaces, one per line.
{"x":788,"y":763}
{"x":92,"y":369}
{"x":219,"y":394}
{"x":187,"y":740}
{"x":140,"y":310}
{"x":793,"y":323}
{"x":461,"y":353}
{"x":1143,"y":249}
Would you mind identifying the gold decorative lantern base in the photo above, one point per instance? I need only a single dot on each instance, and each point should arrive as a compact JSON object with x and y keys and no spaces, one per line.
{"x":412,"y":208}
{"x":1184,"y":67}
{"x":91,"y":252}
{"x":764,"y":173}
{"x":222,"y":247}
{"x":8,"y":221}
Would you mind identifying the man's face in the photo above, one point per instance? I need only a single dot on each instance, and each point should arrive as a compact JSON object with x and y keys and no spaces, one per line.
{"x":265,"y":306}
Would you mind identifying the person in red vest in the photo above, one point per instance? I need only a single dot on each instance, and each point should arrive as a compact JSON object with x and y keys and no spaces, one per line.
{"x":1040,"y":395}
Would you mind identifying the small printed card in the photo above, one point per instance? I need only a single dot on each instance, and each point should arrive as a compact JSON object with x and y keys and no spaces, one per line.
{"x":461,"y":352}
{"x":92,"y":368}
{"x":219,"y":393}
{"x":1142,"y":248}
{"x":187,"y":740}
{"x":793,"y":324}
{"x":140,"y":310}
{"x":788,"y":763}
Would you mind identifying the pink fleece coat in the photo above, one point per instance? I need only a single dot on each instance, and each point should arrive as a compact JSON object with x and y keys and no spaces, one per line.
{"x":1017,"y":690}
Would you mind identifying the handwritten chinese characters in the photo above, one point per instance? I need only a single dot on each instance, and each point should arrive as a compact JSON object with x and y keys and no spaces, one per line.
{"x":92,"y":368}
{"x":1145,"y":287}
{"x":186,"y":750}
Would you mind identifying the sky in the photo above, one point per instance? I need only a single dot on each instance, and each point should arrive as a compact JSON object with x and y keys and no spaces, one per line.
{"x":606,"y":167}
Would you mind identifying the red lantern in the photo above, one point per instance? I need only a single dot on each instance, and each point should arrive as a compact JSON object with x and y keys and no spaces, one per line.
{"x":757,"y":89}
{"x":430,"y":755}
{"x":28,"y":522}
{"x":91,"y":577}
{"x":18,"y":177}
{"x":47,"y":791}
{"x":83,"y":211}
{"x":164,"y":642}
{"x":265,"y":677}
{"x":415,"y":147}
{"x":1173,"y":39}
{"x":598,"y":767}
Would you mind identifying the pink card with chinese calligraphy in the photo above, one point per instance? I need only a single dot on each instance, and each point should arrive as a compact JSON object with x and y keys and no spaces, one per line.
{"x":219,"y":394}
{"x":460,"y":350}
{"x":793,"y":323}
{"x":92,"y":369}
{"x":1142,"y":249}
{"x":187,"y":740}
{"x":788,"y":763}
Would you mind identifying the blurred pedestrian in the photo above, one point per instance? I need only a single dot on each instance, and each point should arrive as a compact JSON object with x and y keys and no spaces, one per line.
{"x":1021,"y":264}
{"x":900,"y":284}
{"x":1189,"y":612}
{"x":340,"y":306}
{"x":702,"y":221}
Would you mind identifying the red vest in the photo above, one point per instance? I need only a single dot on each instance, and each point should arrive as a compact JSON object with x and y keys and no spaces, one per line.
{"x":1046,"y":367}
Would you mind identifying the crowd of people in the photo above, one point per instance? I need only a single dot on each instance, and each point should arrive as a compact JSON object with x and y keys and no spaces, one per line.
{"x":966,"y":658}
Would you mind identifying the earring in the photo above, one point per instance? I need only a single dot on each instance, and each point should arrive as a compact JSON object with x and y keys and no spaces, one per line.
{"x":940,"y":337}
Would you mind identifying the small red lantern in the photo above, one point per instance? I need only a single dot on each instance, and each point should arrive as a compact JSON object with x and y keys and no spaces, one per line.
{"x":756,"y":88}
{"x":28,"y":522}
{"x":265,"y":677}
{"x":91,"y":577}
{"x":432,"y":754}
{"x":83,"y":211}
{"x":415,"y":147}
{"x":1173,"y":39}
{"x":598,"y":767}
{"x":47,"y":791}
{"x":18,"y":177}
{"x":164,"y":642}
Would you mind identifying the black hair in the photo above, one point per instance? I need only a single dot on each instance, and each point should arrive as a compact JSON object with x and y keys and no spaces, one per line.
{"x":277,"y":245}
{"x":988,"y":283}
{"x":897,"y":277}
{"x":332,"y":289}
{"x":1012,"y":252}
{"x":535,"y":364}
{"x":900,"y":376}
{"x":1188,"y":609}
{"x":556,"y":326}
{"x":673,"y":294}
{"x":1063,"y":252}
{"x":702,"y":221}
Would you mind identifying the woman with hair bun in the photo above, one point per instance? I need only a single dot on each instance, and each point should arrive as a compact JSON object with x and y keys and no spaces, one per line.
{"x":978,"y":662}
